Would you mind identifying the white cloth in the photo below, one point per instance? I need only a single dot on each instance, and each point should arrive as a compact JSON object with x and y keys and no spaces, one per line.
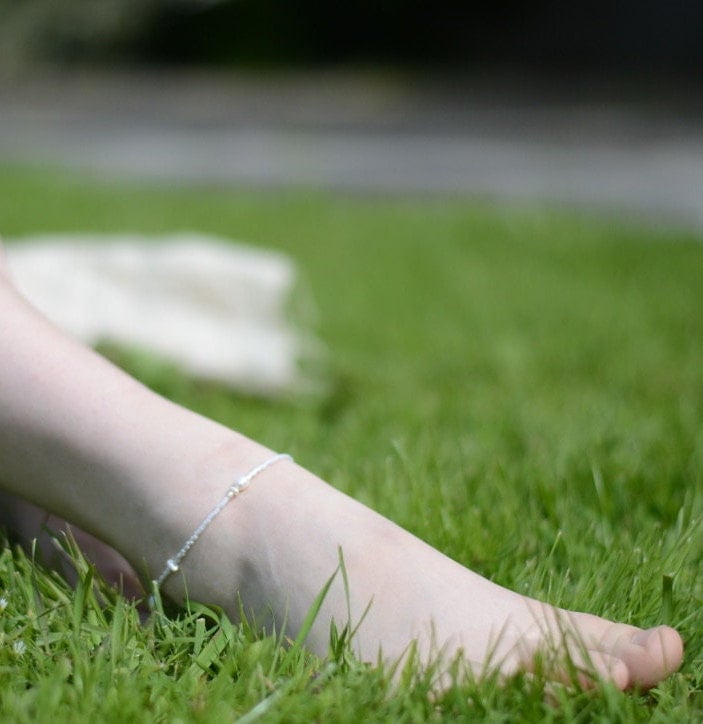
{"x":216,"y":308}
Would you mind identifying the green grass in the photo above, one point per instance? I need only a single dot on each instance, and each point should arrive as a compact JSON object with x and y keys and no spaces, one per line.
{"x":523,"y":389}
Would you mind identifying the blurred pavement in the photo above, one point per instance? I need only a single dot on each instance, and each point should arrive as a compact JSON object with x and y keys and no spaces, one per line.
{"x":366,"y":133}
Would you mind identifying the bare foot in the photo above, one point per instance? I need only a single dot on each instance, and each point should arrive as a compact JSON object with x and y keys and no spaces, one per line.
{"x":492,"y":627}
{"x":287,"y":530}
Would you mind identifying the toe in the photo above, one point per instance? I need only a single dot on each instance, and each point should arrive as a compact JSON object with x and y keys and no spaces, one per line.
{"x":599,"y":667}
{"x":652,"y":655}
{"x":649,"y":654}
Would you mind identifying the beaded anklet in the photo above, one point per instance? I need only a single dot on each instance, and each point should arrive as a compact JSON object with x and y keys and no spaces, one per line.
{"x":173,"y":564}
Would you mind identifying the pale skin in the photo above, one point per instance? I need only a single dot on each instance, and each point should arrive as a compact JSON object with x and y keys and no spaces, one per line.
{"x":82,"y":439}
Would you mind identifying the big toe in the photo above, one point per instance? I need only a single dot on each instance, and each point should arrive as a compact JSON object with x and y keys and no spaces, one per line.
{"x":650,"y":655}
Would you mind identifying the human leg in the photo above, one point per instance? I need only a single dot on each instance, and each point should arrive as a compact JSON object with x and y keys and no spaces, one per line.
{"x":82,"y":439}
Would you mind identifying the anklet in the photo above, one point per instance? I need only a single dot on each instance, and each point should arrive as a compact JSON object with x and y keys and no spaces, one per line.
{"x":173,"y":564}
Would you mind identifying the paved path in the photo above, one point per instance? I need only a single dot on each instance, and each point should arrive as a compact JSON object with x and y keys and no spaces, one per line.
{"x":364,"y":134}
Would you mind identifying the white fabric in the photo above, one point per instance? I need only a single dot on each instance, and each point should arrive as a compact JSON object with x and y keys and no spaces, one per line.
{"x":216,"y":308}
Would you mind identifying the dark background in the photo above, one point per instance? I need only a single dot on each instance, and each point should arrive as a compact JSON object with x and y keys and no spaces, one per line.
{"x":631,"y":36}
{"x":626,"y":37}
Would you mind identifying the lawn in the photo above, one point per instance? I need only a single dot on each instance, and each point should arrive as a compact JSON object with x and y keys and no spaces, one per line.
{"x":521,"y":388}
